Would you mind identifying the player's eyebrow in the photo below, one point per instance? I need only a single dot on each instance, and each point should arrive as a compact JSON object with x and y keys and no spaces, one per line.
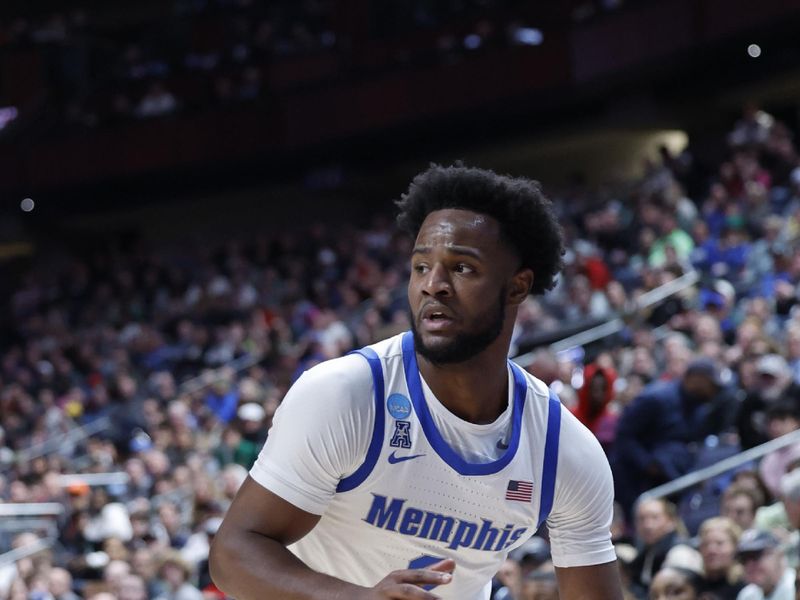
{"x":459,"y":250}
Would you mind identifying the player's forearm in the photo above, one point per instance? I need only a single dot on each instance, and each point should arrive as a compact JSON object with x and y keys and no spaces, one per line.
{"x":250,"y":566}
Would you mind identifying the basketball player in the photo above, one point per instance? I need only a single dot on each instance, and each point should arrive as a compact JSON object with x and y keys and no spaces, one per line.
{"x":410,"y":469}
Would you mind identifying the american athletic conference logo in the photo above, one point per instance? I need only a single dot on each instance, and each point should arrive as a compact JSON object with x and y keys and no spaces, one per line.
{"x":400,"y":408}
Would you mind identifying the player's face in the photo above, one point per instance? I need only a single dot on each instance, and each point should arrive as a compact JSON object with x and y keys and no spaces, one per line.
{"x":460,"y":271}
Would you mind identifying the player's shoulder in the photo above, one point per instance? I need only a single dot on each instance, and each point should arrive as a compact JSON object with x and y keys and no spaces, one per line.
{"x":537,"y":389}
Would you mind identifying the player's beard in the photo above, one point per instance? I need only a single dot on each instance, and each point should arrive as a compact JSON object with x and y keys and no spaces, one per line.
{"x":464,"y":345}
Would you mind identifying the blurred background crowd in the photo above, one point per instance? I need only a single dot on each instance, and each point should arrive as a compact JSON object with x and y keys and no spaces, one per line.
{"x":139,"y":373}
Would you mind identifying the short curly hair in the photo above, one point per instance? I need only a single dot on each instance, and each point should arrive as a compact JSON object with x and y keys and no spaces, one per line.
{"x":526,"y":216}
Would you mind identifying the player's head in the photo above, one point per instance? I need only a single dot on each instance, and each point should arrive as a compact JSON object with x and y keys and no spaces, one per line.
{"x":483,"y":242}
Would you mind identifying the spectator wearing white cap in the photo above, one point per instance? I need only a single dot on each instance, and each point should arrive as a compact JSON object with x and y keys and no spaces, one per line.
{"x":773,"y":382}
{"x":243,"y":438}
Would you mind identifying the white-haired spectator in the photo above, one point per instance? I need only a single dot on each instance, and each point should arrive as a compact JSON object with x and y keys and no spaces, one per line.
{"x":233,"y":477}
{"x":132,"y":587}
{"x":59,"y":583}
{"x":114,"y":572}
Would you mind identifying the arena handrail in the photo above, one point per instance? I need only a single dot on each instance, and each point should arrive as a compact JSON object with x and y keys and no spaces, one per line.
{"x":94,"y":479}
{"x":29,"y":509}
{"x":25,"y":524}
{"x":727,"y":464}
{"x":54,"y":443}
{"x":16,"y":554}
{"x":100,"y":424}
{"x":617,"y":323}
{"x":201,"y":381}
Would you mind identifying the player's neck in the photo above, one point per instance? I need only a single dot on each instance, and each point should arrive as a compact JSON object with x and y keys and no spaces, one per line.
{"x":475,"y":390}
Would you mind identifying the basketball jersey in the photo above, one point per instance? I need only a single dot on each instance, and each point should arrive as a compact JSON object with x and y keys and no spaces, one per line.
{"x":414,"y":500}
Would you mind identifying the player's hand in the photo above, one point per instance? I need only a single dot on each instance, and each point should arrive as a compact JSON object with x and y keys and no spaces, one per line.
{"x":406,"y":584}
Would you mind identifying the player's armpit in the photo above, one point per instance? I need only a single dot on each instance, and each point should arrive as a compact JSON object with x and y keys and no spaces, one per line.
{"x":248,"y":557}
{"x":595,"y":582}
{"x":257,"y":509}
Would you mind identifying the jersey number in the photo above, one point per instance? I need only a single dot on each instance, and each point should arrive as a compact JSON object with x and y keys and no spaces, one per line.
{"x":425,"y":561}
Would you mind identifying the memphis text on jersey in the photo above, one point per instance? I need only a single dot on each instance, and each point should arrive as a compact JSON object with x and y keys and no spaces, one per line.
{"x":393,"y":515}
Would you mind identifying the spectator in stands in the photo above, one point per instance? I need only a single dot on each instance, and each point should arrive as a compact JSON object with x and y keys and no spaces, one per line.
{"x":739,"y":504}
{"x":782,"y":418}
{"x":223,"y":398}
{"x":540,"y":585}
{"x":59,"y":584}
{"x":723,"y":577}
{"x":143,"y":564}
{"x":507,"y":584}
{"x":657,"y":529}
{"x":793,"y":349}
{"x":753,"y":128}
{"x":594,"y":403}
{"x":132,"y":587}
{"x":533,"y":555}
{"x":773,"y":381}
{"x":790,"y":497}
{"x":675,"y":583}
{"x":210,"y":527}
{"x":672,"y":238}
{"x":765,"y":570}
{"x":655,"y":430}
{"x":175,"y":573}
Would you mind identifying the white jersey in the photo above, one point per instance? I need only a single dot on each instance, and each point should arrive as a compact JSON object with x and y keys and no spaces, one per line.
{"x":358,"y":443}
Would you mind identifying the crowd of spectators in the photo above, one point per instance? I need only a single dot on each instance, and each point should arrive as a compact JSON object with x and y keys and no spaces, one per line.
{"x":160,"y":59}
{"x":178,"y":356}
{"x":99,"y":67}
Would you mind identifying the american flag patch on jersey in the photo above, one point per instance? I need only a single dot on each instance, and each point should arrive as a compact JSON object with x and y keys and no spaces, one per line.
{"x":521,"y":491}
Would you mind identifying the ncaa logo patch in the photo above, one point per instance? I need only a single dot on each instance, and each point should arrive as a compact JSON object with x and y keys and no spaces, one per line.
{"x":398,"y":406}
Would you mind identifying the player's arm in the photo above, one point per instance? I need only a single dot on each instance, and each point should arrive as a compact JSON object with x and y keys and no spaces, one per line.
{"x":320,"y":434}
{"x":580,"y":523}
{"x":249,"y":559}
{"x":595,"y":582}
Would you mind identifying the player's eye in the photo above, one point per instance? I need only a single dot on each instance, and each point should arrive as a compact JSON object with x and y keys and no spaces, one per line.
{"x":420,"y":268}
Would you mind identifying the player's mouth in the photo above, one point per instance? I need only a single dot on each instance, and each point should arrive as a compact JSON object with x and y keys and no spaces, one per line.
{"x":437,"y":318}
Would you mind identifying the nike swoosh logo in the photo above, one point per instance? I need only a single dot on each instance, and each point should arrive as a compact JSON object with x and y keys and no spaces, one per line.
{"x":393,"y":460}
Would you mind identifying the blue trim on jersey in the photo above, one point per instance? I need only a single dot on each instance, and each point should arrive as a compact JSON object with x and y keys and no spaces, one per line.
{"x":429,"y":427}
{"x":373,"y":453}
{"x":550,"y":467}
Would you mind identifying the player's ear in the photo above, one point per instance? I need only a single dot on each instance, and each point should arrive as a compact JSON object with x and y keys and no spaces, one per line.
{"x":520,"y":286}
